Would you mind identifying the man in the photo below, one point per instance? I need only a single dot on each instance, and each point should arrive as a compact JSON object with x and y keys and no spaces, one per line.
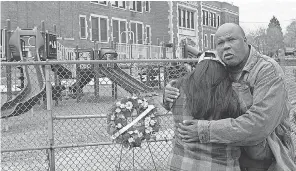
{"x":259,"y":81}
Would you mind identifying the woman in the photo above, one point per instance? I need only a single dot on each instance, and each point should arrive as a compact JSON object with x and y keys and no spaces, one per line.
{"x":206,"y":94}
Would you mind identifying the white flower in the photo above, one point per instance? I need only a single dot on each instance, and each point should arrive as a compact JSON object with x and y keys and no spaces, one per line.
{"x":122,"y":106}
{"x":118,"y":104}
{"x":119,"y":125}
{"x":112,"y":117}
{"x":145,"y":104}
{"x":131,"y":139}
{"x":129,"y":105}
{"x":134,"y":97}
{"x":136,"y":131}
{"x":121,"y":116}
{"x":140,"y":101}
{"x":152,"y":115}
{"x":152,"y":122}
{"x":140,"y":134}
{"x":147,"y":120}
{"x":117,"y":110}
{"x":147,"y":124}
{"x":130,"y":132}
{"x":148,"y":130}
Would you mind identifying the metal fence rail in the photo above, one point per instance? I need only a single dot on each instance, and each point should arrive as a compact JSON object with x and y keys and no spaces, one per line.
{"x":65,"y":129}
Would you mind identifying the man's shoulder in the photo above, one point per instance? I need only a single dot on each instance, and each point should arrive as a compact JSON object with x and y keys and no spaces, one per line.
{"x":267,"y":64}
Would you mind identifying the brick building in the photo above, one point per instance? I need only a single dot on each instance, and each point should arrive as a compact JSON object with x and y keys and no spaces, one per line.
{"x":214,"y":14}
{"x":139,"y":22}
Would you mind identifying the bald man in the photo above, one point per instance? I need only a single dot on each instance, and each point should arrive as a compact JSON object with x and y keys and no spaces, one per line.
{"x":259,"y":83}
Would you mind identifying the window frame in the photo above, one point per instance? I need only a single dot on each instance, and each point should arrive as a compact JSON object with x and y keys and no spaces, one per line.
{"x":120,"y":4}
{"x":218,"y":21}
{"x":149,"y":5}
{"x":99,"y":2}
{"x":119,"y":24}
{"x":85,"y":29}
{"x":185,"y":18}
{"x":212,"y":42}
{"x":149,"y":43}
{"x":205,"y":40}
{"x":136,"y":34}
{"x":134,"y":3}
{"x":99,"y":27}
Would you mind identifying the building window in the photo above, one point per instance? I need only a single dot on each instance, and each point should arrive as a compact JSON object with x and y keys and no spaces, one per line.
{"x":137,"y":29}
{"x":95,"y":28}
{"x":147,"y":6}
{"x":119,"y":4}
{"x":99,"y":2}
{"x":119,"y":31}
{"x":148,"y":33}
{"x":218,"y":21}
{"x":192,"y":20}
{"x":205,"y":19}
{"x":211,"y":19}
{"x":186,"y":18}
{"x":214,"y":20}
{"x":136,"y":6}
{"x":180,"y":17}
{"x":212,"y":42}
{"x":82,"y":24}
{"x":205,"y":40}
{"x":99,"y":29}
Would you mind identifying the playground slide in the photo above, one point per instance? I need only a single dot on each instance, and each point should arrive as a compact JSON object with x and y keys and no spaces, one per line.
{"x":33,"y":91}
{"x":125,"y":81}
{"x":135,"y":82}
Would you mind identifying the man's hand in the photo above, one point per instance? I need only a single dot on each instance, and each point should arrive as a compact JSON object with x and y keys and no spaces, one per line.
{"x":188,"y":131}
{"x":171,"y":93}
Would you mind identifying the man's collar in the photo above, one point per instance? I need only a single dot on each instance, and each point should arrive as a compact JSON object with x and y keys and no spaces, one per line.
{"x":252,"y":59}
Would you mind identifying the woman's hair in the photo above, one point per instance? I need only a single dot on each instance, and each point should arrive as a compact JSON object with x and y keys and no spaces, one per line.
{"x":209,"y":93}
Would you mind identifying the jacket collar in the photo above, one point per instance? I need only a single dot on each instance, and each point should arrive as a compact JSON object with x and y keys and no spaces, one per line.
{"x":252,"y":59}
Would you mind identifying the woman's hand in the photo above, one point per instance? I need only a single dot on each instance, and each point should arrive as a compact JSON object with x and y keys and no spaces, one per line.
{"x":171,"y":93}
{"x":188,"y":131}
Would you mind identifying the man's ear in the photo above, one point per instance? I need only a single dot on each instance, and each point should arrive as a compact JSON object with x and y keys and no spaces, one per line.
{"x":245,"y":39}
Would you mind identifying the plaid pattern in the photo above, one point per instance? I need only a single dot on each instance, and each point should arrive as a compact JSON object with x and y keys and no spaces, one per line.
{"x":197,"y":156}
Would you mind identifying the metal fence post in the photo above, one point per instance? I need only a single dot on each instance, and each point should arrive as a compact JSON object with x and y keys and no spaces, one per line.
{"x":50,"y":118}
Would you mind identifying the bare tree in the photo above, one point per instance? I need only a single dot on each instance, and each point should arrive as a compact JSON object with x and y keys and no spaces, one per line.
{"x":257,"y":38}
{"x":290,"y":36}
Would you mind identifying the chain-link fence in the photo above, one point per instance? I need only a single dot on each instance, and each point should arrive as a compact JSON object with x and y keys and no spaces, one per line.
{"x":69,"y":132}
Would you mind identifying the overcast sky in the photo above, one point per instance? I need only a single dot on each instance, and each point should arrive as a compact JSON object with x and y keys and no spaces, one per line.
{"x":257,"y":13}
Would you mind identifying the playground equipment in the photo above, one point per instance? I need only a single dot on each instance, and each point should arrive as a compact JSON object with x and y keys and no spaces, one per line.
{"x":111,"y":71}
{"x":118,"y":76}
{"x":34,"y":81}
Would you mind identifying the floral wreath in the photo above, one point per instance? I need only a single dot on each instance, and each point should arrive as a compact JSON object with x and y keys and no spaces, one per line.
{"x":132,"y":120}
